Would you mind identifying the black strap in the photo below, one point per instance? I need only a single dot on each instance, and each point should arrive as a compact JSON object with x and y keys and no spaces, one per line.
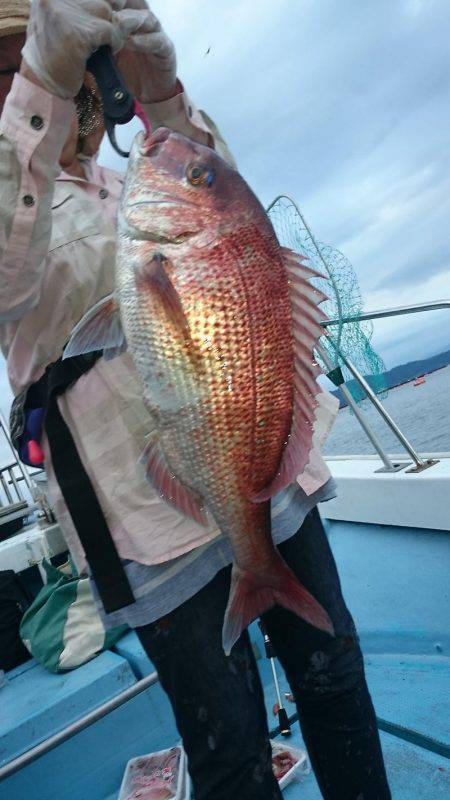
{"x":80,"y":498}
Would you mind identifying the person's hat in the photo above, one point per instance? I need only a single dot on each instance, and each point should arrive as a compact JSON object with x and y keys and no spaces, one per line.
{"x":14,"y":16}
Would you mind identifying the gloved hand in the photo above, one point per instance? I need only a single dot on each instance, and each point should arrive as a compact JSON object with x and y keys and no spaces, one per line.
{"x":147,"y":60}
{"x":61,"y":36}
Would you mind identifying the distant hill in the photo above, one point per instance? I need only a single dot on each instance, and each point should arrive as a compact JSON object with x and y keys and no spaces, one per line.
{"x":403,"y":373}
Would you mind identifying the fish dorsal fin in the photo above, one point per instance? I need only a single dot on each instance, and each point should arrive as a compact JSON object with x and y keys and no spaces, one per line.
{"x":306,"y":331}
{"x":99,"y":329}
{"x":161,"y":477}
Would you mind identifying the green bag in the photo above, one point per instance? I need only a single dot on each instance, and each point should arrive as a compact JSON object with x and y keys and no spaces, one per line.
{"x":62,"y":628}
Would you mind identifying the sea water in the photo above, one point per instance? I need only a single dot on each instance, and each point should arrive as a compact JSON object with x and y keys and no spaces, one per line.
{"x":421,"y":412}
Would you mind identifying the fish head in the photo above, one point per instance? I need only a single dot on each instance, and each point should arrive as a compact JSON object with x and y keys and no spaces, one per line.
{"x":178,"y":190}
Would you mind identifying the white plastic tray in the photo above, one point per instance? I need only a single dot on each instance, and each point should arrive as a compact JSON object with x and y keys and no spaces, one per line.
{"x":183,"y":789}
{"x":301,"y":767}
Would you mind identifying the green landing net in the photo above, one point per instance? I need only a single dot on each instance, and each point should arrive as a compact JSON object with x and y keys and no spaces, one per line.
{"x":340,"y":284}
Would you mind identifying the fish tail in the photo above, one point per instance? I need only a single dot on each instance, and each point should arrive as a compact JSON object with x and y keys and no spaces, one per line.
{"x":253,"y":593}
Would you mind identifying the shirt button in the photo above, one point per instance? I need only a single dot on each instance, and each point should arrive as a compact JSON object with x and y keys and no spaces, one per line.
{"x":36,"y":122}
{"x":28,"y":200}
{"x":103,"y":193}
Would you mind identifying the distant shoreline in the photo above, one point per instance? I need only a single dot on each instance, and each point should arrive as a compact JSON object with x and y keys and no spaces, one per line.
{"x":410,"y":380}
{"x":397,"y":376}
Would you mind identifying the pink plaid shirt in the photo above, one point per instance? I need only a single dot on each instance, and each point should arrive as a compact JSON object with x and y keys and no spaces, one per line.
{"x":57,"y":251}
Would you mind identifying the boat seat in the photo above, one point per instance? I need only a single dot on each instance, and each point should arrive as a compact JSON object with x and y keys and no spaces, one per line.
{"x":14,"y":673}
{"x":36,"y":704}
{"x":130,"y":648}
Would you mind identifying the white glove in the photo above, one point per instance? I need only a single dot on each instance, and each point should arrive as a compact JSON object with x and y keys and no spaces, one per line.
{"x":147,"y":61}
{"x":61,"y":36}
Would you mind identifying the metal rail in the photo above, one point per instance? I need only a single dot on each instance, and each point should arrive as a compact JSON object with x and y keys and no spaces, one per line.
{"x":75,"y":727}
{"x":10,"y":482}
{"x":398,"y":311}
{"x":419,"y":464}
{"x":433,"y":305}
{"x":389,"y":466}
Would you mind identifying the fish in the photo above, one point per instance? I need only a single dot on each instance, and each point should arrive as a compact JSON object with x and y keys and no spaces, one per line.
{"x":221,"y":322}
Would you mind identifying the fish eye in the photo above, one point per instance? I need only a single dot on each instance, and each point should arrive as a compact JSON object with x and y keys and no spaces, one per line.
{"x":199,"y":175}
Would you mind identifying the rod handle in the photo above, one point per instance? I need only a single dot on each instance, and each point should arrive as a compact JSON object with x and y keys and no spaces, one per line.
{"x":283,"y":721}
{"x":118,"y":102}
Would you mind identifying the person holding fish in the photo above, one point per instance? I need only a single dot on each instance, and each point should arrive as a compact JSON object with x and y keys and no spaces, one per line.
{"x":158,"y":320}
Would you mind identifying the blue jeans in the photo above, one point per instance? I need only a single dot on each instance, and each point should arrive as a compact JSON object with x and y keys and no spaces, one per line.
{"x":218,"y":701}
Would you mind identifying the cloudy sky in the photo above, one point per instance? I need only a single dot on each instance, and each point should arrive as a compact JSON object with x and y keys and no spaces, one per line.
{"x":345,"y":105}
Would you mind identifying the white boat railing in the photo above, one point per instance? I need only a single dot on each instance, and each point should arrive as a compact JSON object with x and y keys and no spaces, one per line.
{"x":389,"y":466}
{"x":397,"y":311}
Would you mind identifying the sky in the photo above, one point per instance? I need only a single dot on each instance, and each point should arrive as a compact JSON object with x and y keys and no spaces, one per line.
{"x":345,"y":106}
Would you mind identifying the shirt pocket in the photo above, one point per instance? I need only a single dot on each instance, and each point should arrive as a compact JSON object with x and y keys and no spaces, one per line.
{"x":74,"y":217}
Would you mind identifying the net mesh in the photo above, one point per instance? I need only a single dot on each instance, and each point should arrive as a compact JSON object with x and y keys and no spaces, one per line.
{"x":340,"y":284}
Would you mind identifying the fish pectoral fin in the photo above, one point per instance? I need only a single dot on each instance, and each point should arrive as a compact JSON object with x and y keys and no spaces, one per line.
{"x":155,"y":275}
{"x":161,"y":477}
{"x":253,"y":593}
{"x":99,"y":329}
{"x":309,"y":427}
